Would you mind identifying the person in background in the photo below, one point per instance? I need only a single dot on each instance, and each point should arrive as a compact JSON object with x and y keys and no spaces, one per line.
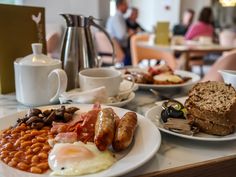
{"x":203,"y":27}
{"x":131,"y":21}
{"x":116,"y":27}
{"x":187,"y":20}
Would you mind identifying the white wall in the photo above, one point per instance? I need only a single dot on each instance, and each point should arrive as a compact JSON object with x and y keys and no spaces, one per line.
{"x":96,"y":8}
{"x":104,"y":10}
{"x":152,"y":11}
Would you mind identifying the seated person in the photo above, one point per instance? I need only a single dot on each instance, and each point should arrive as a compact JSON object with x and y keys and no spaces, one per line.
{"x":105,"y":51}
{"x":203,"y":27}
{"x":131,"y":21}
{"x":181,"y":29}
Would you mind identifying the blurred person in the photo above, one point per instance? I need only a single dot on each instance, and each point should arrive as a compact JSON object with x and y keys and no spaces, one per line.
{"x":116,"y":27}
{"x":203,"y":27}
{"x":187,"y":19}
{"x":131,"y":21}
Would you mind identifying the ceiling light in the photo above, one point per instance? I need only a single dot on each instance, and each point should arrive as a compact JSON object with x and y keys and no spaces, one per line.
{"x":228,"y":3}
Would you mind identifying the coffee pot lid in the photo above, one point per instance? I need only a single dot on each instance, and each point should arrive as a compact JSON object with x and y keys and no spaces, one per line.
{"x":37,"y":58}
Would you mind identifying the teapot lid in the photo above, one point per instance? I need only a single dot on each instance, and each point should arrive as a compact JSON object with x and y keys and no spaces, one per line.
{"x":38,"y":58}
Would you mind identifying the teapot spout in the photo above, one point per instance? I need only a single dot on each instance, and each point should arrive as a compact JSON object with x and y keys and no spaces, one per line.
{"x":75,"y":20}
{"x":69,"y":19}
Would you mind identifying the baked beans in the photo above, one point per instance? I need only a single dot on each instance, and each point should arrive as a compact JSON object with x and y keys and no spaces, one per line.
{"x":26,"y":149}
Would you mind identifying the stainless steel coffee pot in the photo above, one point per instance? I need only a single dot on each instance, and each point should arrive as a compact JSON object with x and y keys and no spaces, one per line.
{"x":78,"y":50}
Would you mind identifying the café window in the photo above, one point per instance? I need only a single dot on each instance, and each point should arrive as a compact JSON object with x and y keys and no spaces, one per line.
{"x":112,"y":7}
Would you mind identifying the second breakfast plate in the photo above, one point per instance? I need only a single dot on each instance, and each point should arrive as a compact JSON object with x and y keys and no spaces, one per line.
{"x":146,"y":143}
{"x":154,"y":115}
{"x":194,"y":79}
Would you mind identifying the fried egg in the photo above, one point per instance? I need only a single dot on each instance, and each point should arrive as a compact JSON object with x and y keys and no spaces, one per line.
{"x":78,"y":159}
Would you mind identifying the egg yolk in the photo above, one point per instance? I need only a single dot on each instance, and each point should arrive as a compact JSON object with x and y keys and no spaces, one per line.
{"x":70,"y":152}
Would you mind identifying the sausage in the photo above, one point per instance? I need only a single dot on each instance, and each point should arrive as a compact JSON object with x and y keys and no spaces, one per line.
{"x":104,"y":129}
{"x":125,"y":131}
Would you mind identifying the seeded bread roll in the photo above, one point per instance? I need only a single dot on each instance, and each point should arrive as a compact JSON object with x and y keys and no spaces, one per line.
{"x":212,"y":128}
{"x":212,"y":106}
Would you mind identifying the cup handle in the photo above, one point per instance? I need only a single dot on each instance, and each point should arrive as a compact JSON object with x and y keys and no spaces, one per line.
{"x":62,"y":83}
{"x":132,"y":80}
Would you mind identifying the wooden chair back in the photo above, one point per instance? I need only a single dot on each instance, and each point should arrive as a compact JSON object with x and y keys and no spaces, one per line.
{"x":140,"y":53}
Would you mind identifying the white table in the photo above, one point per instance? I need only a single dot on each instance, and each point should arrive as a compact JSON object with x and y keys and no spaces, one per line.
{"x":187,"y":49}
{"x":176,"y":156}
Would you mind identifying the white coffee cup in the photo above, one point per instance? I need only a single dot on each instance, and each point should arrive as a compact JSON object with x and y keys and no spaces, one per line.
{"x":229,"y":77}
{"x":98,"y":77}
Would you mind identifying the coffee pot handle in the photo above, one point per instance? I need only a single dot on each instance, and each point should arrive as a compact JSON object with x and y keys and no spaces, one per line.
{"x":106,"y":33}
{"x":62,"y":83}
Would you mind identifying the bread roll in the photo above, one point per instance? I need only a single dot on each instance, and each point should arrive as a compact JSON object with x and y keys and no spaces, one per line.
{"x":212,"y":106}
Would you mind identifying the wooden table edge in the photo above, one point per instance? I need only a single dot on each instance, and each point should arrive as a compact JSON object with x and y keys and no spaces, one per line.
{"x":220,"y":167}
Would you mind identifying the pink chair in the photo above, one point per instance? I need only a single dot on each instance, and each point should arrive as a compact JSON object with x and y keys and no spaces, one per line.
{"x":104,"y":49}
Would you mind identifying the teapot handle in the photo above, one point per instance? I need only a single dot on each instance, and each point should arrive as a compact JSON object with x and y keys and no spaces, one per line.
{"x":62,"y":83}
{"x":106,"y":33}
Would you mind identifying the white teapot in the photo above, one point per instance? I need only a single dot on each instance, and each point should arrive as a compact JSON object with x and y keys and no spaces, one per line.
{"x":39,"y":80}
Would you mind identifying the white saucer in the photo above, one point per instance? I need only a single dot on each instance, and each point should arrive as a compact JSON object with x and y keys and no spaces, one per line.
{"x":122,"y":103}
{"x":77,"y":96}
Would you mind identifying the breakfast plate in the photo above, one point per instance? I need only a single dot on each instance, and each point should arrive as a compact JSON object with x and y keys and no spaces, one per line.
{"x":154,"y":115}
{"x":194,"y":79}
{"x":147,"y":140}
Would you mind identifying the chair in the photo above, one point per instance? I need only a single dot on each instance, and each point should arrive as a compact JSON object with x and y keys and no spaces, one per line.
{"x":104,"y":49}
{"x":227,"y":62}
{"x":197,"y":59}
{"x":54,"y":35}
{"x":139,"y":53}
{"x":227,"y":38}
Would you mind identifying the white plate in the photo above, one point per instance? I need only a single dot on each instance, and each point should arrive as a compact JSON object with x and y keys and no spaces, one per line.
{"x":154,"y":115}
{"x":146,"y":143}
{"x":124,"y":102}
{"x":194,"y":80}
